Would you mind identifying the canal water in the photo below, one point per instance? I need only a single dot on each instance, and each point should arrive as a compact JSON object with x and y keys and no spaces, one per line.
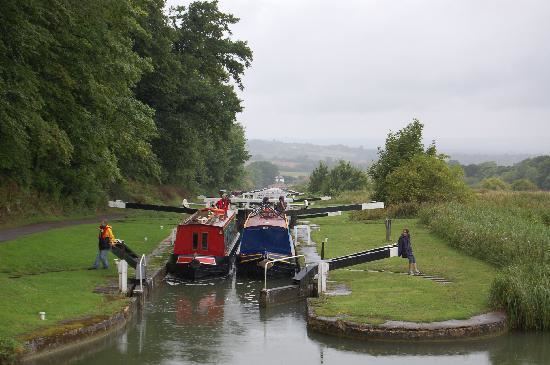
{"x":220,"y":322}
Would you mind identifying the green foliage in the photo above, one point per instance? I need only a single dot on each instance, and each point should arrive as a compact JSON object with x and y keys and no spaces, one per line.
{"x":342,"y":177}
{"x":523,"y":185}
{"x":262,"y":173}
{"x":8,"y":350}
{"x":510,"y":231}
{"x":494,"y":183}
{"x":197,"y":63}
{"x":405,"y":172}
{"x":94,"y":94}
{"x":536,"y":170}
{"x":425,"y":178}
{"x":399,"y":149}
{"x":524,"y":291}
{"x":318,"y":180}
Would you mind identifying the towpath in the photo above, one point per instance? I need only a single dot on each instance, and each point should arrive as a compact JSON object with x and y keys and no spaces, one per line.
{"x":16,"y":232}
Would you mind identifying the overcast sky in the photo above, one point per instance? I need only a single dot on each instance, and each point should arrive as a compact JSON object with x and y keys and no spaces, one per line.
{"x":475,"y":72}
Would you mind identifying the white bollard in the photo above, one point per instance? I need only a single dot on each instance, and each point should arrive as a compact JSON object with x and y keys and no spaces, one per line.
{"x":322,"y":277}
{"x":173,"y":236}
{"x":123,"y":276}
{"x":42,"y":315}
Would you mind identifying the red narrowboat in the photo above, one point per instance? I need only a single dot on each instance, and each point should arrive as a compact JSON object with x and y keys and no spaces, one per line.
{"x":205,"y":245}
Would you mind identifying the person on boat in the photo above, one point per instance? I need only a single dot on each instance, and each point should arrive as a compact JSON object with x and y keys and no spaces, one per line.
{"x":106,"y":241}
{"x":224,"y":202}
{"x":404,"y":249}
{"x":280,"y":207}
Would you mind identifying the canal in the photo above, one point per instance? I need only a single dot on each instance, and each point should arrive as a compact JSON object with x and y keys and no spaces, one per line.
{"x":220,"y":322}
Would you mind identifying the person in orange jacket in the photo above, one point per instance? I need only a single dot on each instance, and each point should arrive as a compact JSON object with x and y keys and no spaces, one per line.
{"x":106,"y":240}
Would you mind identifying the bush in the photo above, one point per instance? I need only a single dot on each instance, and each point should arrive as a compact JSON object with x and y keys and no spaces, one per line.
{"x":524,"y":185}
{"x":524,"y":292}
{"x":494,"y":183}
{"x":9,"y":349}
{"x":426,"y":178}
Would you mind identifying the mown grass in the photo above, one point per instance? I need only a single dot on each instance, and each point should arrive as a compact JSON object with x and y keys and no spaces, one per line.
{"x":511,"y":231}
{"x":380,"y":296}
{"x":48,"y":272}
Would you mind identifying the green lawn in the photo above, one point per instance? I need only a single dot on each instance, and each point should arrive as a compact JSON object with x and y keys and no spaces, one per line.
{"x":48,"y":272}
{"x":380,"y":296}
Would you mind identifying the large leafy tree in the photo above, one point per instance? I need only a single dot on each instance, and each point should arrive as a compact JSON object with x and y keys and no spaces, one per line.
{"x":67,"y":110}
{"x":425,"y":178}
{"x":192,"y":89}
{"x":400,"y":148}
{"x":262,"y":173}
{"x":318,"y":179}
{"x":342,"y":177}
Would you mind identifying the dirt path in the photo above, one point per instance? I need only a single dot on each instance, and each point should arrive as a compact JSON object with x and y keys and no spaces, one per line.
{"x":13,"y":233}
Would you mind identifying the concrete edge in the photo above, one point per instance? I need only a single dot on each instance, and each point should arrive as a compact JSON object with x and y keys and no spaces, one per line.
{"x":47,"y":345}
{"x":484,"y":325}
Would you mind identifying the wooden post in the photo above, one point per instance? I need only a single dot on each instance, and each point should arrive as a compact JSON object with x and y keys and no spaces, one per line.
{"x":323,"y":248}
{"x":388,"y":229}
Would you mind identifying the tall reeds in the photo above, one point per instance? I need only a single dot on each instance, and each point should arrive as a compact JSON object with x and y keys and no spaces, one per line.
{"x":509,"y":230}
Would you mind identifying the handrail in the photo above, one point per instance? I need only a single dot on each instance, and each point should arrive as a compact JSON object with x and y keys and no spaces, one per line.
{"x":276,"y":260}
{"x":143,"y":258}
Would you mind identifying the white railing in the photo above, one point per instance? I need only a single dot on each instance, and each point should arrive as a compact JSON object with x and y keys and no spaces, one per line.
{"x":270,"y":261}
{"x":141,"y":264}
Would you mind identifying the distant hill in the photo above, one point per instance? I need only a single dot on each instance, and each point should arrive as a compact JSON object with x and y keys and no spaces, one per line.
{"x":304,"y":157}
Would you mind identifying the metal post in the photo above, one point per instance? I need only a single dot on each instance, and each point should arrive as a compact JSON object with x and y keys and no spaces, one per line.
{"x":388,"y":229}
{"x":323,"y":248}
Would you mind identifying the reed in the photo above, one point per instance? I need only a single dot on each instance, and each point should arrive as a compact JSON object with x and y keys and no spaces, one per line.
{"x":510,"y":231}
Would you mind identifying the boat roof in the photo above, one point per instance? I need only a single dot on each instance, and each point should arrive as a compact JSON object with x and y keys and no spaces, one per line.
{"x":210,"y":217}
{"x":266,"y":220}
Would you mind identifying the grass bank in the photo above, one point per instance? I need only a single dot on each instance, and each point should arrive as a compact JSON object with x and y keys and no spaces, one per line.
{"x":380,"y":296}
{"x":48,"y":272}
{"x":511,"y":231}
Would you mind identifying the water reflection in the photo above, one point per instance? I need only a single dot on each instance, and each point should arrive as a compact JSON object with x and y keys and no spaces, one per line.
{"x":219,"y":321}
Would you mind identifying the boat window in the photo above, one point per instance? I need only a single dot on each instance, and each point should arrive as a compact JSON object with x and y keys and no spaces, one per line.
{"x":205,"y":241}
{"x":195,"y":240}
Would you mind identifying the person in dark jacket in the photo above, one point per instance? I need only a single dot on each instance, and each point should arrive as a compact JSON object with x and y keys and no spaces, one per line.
{"x":106,"y":240}
{"x":281,"y":206}
{"x":405,"y":250}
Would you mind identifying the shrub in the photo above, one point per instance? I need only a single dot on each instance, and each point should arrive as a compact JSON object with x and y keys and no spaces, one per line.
{"x":524,"y":185}
{"x":8,"y":350}
{"x":494,"y":183}
{"x":524,"y":292}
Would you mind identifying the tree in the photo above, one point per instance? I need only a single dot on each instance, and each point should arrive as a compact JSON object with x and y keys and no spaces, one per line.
{"x":344,"y":177}
{"x":524,"y":185}
{"x":425,"y":178}
{"x":318,"y":179}
{"x":68,"y":115}
{"x":340,"y":178}
{"x":262,"y":173}
{"x":399,"y":149}
{"x":494,"y":183}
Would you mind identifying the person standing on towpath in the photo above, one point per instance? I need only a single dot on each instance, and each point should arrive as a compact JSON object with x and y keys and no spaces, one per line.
{"x":405,"y":250}
{"x":106,"y":240}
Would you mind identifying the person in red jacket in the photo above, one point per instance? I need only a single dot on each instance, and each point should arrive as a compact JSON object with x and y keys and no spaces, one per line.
{"x":224,"y":203}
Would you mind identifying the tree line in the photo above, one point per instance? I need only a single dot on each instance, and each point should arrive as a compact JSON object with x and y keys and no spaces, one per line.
{"x":529,"y":174}
{"x":96,"y":93}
